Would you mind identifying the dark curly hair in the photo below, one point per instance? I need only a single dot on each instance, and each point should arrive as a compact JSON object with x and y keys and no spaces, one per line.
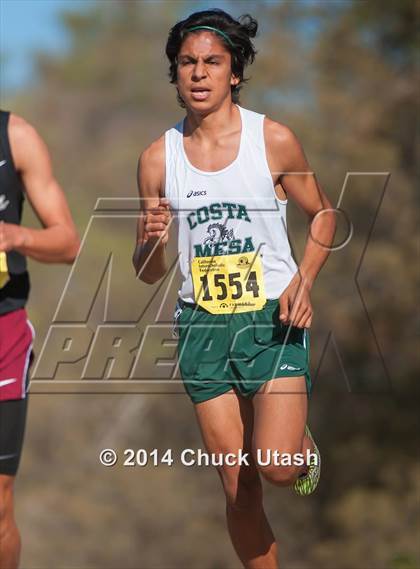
{"x":239,"y":31}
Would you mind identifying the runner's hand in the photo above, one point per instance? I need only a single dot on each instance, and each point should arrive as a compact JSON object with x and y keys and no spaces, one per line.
{"x":11,"y":236}
{"x":295,"y":304}
{"x":156,"y":222}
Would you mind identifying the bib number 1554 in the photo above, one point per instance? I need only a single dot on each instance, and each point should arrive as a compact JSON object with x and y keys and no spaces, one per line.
{"x":229,"y":283}
{"x":234,"y":283}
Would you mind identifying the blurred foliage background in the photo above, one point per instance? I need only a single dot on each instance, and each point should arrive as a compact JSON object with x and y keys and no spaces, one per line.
{"x":344,"y":77}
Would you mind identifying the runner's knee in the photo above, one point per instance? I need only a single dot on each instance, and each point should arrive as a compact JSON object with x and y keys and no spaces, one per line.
{"x":6,"y":504}
{"x":279,"y":475}
{"x":243,"y":491}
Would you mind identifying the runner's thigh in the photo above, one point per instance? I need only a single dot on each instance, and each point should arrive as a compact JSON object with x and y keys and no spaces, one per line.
{"x":280,"y":411}
{"x":226,"y":424}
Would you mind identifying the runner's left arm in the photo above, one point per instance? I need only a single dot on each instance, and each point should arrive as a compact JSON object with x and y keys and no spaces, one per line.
{"x":57,"y":241}
{"x":300,"y":184}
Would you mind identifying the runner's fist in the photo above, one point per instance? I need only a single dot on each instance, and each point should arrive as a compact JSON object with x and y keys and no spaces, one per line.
{"x":11,"y":236}
{"x":156,"y":222}
{"x":295,"y":304}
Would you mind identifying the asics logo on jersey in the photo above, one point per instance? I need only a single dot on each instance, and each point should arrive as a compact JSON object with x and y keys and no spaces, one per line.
{"x":196,"y":193}
{"x":3,"y":162}
{"x":3,"y":202}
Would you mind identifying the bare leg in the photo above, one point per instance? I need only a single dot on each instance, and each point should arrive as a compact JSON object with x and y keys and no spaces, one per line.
{"x":9,"y":534}
{"x":280,"y":411}
{"x":226,"y":424}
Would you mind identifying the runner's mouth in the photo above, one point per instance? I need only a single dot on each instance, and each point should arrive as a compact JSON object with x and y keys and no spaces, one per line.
{"x":200,"y":93}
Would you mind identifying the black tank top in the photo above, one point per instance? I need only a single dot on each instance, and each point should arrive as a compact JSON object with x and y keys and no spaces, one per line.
{"x":15,"y":293}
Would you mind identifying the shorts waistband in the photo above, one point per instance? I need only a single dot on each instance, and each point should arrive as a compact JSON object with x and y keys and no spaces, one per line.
{"x":182,"y":304}
{"x":191,"y":305}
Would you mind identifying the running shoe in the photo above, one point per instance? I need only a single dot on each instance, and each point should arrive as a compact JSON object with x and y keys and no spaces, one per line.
{"x":307,"y":482}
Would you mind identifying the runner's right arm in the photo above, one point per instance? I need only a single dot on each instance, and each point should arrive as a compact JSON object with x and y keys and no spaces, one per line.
{"x":149,"y":257}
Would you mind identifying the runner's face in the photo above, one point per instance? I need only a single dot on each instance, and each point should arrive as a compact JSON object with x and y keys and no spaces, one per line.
{"x":204,"y":73}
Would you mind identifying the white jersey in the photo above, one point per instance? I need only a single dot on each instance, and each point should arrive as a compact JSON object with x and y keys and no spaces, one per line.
{"x":230,"y":211}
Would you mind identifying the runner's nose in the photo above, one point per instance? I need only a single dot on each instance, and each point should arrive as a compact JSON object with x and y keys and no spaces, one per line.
{"x":199,"y":71}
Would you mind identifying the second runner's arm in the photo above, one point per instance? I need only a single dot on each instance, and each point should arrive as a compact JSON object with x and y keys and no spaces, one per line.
{"x":57,"y":241}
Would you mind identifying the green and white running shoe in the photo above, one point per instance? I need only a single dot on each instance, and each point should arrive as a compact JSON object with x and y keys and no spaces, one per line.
{"x":306,"y":483}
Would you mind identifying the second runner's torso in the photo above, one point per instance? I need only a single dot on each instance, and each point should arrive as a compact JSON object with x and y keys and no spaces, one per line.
{"x":14,"y":294}
{"x":234,"y":252}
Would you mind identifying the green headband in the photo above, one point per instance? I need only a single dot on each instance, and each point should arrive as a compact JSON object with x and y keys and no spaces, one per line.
{"x":225,"y":36}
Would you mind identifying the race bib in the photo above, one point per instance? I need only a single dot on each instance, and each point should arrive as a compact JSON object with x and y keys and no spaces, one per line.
{"x":4,"y":273}
{"x":229,"y":283}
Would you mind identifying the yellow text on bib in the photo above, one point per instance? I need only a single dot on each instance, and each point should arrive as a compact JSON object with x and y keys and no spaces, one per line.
{"x":229,"y":283}
{"x":4,"y":272}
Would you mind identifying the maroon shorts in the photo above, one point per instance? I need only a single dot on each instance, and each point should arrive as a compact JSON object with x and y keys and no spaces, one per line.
{"x":16,"y":338}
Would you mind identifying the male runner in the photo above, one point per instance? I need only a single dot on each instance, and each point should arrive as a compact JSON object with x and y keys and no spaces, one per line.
{"x":244,"y":305}
{"x":25,"y":169}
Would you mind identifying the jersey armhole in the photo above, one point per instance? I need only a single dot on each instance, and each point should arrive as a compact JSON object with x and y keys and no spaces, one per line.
{"x":280,"y":201}
{"x":165,"y":175}
{"x":6,"y":154}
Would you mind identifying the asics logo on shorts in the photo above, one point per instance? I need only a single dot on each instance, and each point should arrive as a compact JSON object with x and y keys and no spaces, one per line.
{"x":290,"y":368}
{"x":3,"y":202}
{"x":6,"y":456}
{"x":5,"y":382}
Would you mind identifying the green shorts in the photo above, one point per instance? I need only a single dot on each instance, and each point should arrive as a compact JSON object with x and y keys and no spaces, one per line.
{"x":241,"y":351}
